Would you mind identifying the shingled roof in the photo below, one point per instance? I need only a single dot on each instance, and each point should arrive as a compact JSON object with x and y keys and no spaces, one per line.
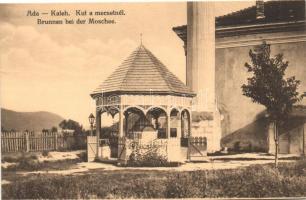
{"x":143,"y":73}
{"x":276,"y":12}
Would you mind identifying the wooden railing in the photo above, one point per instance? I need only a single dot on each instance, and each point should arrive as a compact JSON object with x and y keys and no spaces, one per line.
{"x":134,"y":135}
{"x":45,"y":141}
{"x":103,"y":142}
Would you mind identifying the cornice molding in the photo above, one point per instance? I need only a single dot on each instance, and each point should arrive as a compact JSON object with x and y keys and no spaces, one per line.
{"x":235,"y":42}
{"x":245,"y":30}
{"x":223,"y":32}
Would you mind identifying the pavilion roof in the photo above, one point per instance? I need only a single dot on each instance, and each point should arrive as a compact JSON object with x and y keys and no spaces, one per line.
{"x":143,"y":73}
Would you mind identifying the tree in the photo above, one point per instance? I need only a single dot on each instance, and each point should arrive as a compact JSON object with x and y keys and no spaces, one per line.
{"x":54,"y":129}
{"x":45,"y":130}
{"x":63,"y":124}
{"x":3,"y":129}
{"x":72,"y":125}
{"x":269,"y":87}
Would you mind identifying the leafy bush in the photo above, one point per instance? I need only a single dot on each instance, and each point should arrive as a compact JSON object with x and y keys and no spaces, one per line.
{"x":27,"y":164}
{"x":73,"y":141}
{"x":16,"y":157}
{"x":30,"y":164}
{"x":45,"y":153}
{"x":24,"y":161}
{"x":83,"y":156}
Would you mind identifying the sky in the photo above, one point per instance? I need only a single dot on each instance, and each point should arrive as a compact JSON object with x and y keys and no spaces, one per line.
{"x":54,"y":68}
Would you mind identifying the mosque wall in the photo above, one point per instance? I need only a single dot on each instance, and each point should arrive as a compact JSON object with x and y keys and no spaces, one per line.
{"x":240,"y":114}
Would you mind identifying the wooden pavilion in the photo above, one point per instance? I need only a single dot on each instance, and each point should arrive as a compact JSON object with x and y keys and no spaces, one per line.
{"x":152,"y":103}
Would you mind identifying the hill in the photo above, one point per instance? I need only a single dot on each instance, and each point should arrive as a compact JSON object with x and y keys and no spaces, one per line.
{"x":21,"y":121}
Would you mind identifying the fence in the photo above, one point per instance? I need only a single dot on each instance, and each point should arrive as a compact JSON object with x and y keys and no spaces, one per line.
{"x":30,"y":141}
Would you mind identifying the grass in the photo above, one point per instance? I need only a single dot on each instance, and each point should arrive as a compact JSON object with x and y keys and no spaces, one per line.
{"x":250,"y":159}
{"x":29,"y":162}
{"x":34,"y":165}
{"x":253,"y":181}
{"x":16,"y":157}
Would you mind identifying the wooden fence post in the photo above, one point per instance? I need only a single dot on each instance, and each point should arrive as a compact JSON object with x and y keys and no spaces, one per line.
{"x":55,"y":140}
{"x":27,"y":142}
{"x":188,"y":148}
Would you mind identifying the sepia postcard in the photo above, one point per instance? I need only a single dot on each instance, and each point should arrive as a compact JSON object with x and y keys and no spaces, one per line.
{"x":153,"y":100}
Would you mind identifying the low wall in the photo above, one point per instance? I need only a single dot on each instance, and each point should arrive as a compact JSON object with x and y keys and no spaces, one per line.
{"x":170,"y":148}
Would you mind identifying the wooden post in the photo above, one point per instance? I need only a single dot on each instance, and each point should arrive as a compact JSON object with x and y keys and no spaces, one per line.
{"x":98,"y":128}
{"x":15,"y":142}
{"x":55,"y":142}
{"x":168,"y":123}
{"x":276,"y":143}
{"x":304,"y":139}
{"x":189,"y":123}
{"x":122,"y":148}
{"x":121,"y":122}
{"x":27,"y":142}
{"x":179,"y":126}
{"x":188,"y":148}
{"x":126,"y":115}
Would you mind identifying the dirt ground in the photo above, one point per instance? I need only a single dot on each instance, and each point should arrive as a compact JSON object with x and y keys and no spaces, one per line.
{"x":215,"y":165}
{"x":212,"y":163}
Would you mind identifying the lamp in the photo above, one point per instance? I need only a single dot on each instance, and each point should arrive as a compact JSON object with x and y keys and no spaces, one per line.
{"x":91,"y":119}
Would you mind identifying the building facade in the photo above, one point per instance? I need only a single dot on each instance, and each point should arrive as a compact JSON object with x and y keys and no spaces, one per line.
{"x":218,"y":48}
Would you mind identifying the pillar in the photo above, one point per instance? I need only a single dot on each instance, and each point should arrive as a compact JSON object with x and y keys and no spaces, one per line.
{"x":121,"y":116}
{"x":190,"y":123}
{"x":126,"y":115}
{"x":179,"y":126}
{"x":201,"y":64}
{"x":168,"y":123}
{"x":201,"y":53}
{"x":98,"y":129}
{"x":156,"y":122}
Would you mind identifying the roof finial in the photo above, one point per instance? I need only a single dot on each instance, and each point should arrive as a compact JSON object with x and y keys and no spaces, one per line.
{"x":140,"y":38}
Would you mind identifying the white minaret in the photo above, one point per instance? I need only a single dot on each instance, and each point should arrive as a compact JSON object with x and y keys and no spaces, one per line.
{"x":200,"y":71}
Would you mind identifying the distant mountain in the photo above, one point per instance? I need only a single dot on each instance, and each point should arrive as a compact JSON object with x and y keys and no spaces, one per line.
{"x":21,"y":121}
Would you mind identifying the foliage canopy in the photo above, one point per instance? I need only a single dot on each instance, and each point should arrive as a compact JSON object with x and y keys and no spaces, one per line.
{"x":268,"y":85}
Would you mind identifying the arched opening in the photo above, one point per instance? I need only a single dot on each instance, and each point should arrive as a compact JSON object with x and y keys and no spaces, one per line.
{"x":185,"y":120}
{"x":109,"y":120}
{"x":158,"y":121}
{"x":109,"y":125}
{"x":134,"y":122}
{"x":175,"y":123}
{"x":109,"y":131}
